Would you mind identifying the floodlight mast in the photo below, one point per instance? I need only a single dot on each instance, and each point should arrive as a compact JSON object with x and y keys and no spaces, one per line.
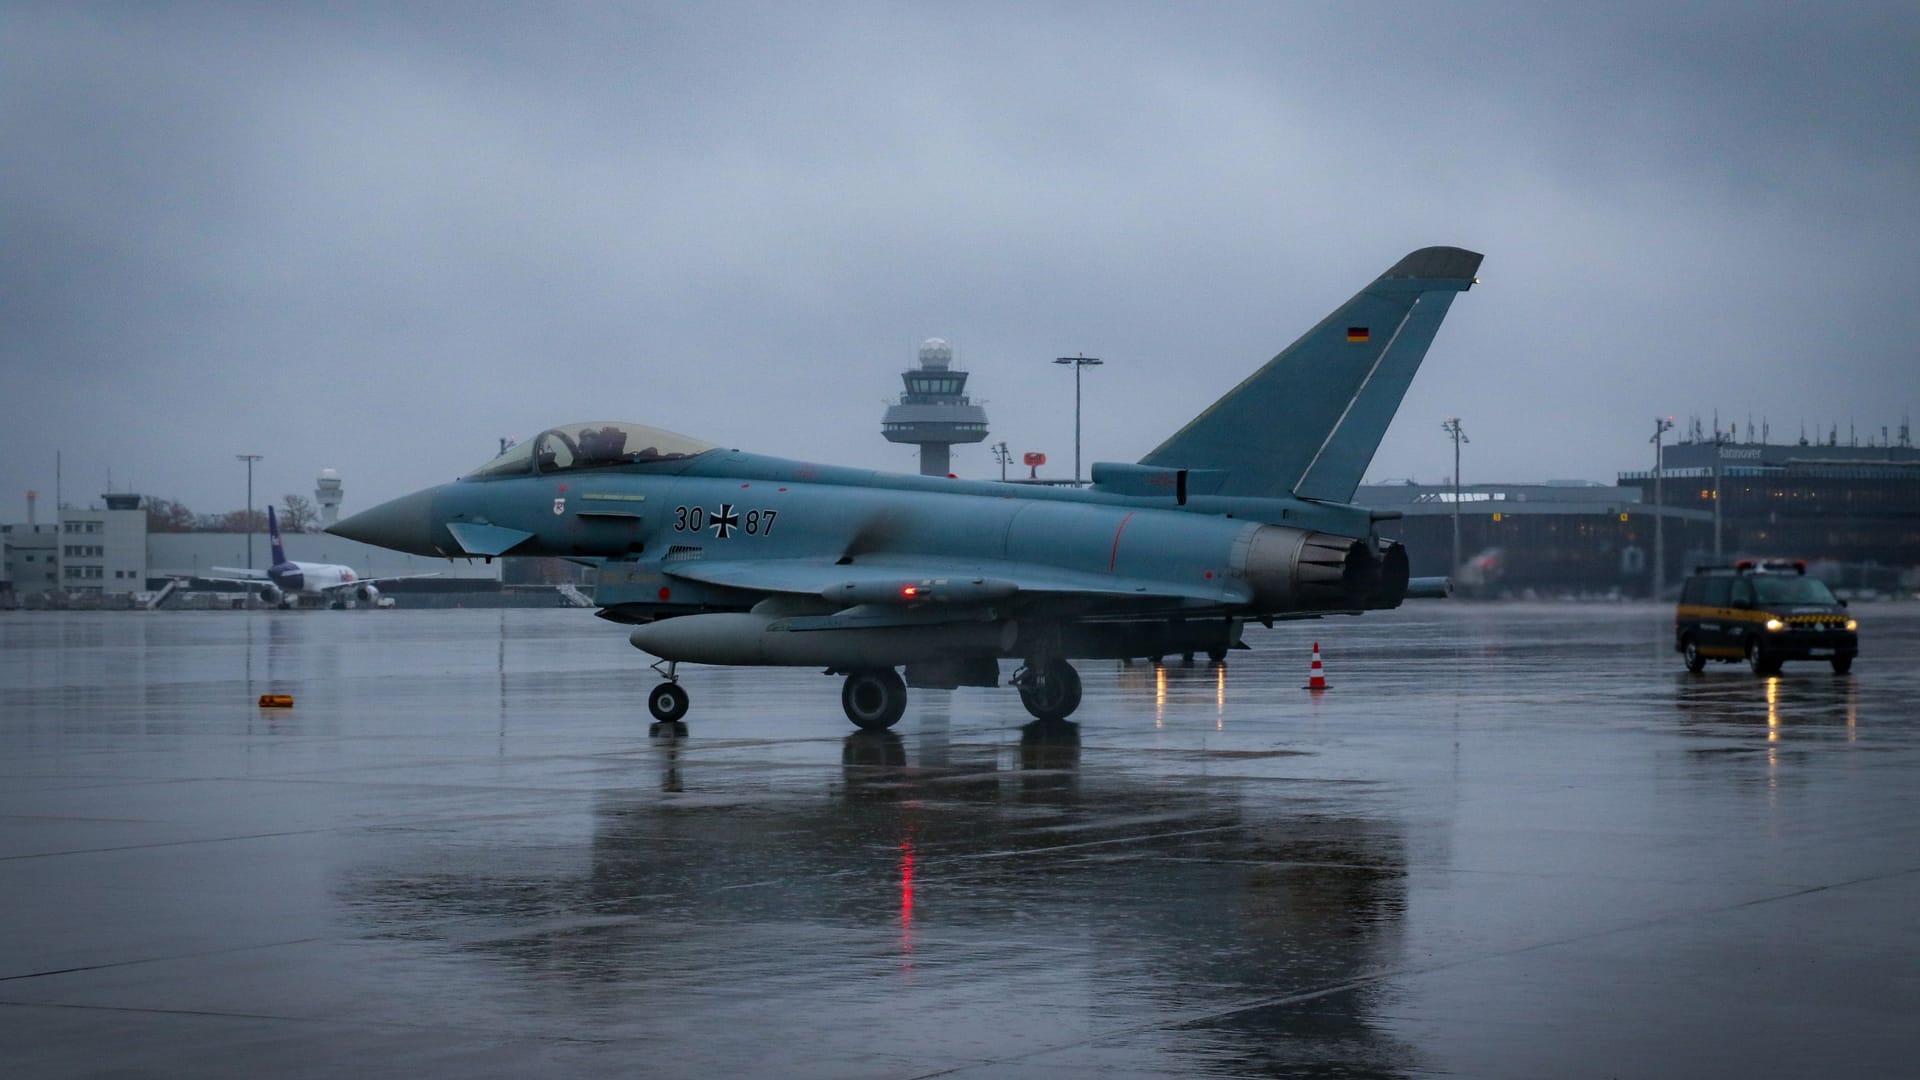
{"x":1660,"y":427}
{"x":249,"y":459}
{"x":1078,"y":362}
{"x":1452,"y":427}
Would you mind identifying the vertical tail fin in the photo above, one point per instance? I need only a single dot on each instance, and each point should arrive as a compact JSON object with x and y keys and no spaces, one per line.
{"x":273,"y":533}
{"x":1308,"y":422}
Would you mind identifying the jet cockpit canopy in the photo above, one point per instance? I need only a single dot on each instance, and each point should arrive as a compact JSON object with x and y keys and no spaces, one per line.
{"x":590,"y":445}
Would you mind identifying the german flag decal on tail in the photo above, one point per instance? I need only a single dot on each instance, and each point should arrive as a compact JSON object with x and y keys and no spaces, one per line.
{"x":1356,"y":335}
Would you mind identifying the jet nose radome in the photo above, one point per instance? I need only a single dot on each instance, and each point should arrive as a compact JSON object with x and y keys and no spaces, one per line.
{"x":403,"y":524}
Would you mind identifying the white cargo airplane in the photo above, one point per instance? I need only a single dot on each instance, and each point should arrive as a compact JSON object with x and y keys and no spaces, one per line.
{"x":285,"y":579}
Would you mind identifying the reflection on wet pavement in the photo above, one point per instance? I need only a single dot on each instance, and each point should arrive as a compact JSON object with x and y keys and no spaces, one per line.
{"x":1510,"y":840}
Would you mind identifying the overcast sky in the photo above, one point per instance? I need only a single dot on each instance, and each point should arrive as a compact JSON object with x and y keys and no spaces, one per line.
{"x":380,"y":238}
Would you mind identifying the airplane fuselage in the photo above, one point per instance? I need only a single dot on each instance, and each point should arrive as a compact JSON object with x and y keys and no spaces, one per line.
{"x":670,"y":530}
{"x":310,"y":579}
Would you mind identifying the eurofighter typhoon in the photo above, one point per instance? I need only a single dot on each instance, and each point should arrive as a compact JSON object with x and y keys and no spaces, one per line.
{"x":725,"y":557}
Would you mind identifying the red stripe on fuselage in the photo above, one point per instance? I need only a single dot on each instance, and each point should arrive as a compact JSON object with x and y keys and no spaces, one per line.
{"x":1113,"y":560}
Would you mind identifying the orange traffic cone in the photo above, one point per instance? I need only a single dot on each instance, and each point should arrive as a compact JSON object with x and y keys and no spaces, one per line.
{"x":1318,"y":679}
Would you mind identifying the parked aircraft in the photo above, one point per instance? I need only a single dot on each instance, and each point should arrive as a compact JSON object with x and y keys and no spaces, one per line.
{"x":725,"y":557}
{"x":287,"y":580}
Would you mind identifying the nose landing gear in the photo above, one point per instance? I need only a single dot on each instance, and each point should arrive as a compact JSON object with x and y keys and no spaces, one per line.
{"x":668,"y":702}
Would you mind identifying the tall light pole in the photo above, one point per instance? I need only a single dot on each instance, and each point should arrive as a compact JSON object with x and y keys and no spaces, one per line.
{"x":249,"y":459}
{"x":1002,"y":455}
{"x":1718,"y":468}
{"x":1660,"y":428}
{"x":1452,"y":427}
{"x":1078,"y":362}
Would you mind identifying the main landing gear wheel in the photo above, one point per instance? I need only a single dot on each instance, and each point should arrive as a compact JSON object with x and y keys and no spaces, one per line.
{"x":668,"y":703}
{"x":1690,"y":652}
{"x":1053,"y":692}
{"x":874,"y":698}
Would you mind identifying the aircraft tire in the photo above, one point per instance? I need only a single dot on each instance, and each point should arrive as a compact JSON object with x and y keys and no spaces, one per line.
{"x":668,"y":702}
{"x":1056,"y":695}
{"x":1691,"y":653}
{"x":1217,"y":654}
{"x":874,"y":698}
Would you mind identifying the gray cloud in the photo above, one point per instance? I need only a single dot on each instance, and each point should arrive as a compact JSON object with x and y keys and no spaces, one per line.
{"x":376,"y":239}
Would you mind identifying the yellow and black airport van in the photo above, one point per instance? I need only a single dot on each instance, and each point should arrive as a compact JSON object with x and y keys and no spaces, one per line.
{"x":1764,"y":612}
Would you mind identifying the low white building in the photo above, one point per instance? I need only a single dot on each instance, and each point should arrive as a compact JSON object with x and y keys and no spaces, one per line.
{"x":31,"y":562}
{"x":103,"y":549}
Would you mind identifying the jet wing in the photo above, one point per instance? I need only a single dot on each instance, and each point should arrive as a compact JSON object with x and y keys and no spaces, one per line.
{"x":246,"y":582}
{"x":356,"y":582}
{"x":924,"y":582}
{"x":236,"y":575}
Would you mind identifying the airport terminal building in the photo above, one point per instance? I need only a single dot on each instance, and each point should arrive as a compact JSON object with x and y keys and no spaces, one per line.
{"x":1853,"y":512}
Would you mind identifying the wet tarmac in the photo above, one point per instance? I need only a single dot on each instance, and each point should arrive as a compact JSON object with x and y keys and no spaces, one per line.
{"x":1510,"y":841}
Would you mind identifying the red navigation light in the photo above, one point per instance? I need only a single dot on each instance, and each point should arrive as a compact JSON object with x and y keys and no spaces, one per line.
{"x":910,"y":591}
{"x":1743,"y":565}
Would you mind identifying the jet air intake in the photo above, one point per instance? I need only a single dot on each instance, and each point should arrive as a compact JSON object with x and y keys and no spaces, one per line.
{"x":1295,"y":570}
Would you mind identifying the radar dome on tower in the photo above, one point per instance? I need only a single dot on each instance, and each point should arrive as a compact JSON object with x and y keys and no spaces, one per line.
{"x":936,"y":354}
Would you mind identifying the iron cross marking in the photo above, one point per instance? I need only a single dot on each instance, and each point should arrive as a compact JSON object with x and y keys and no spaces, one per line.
{"x":725,"y":522}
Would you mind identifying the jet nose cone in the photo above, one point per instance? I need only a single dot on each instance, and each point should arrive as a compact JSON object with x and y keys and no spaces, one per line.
{"x":403,"y":524}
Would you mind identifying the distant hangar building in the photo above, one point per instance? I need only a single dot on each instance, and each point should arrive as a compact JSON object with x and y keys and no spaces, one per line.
{"x":1537,"y":540}
{"x":934,"y":413}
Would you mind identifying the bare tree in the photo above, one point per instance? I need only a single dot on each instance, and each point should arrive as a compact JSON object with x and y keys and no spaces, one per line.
{"x":168,"y":516}
{"x":296,"y":514}
{"x":235,"y":521}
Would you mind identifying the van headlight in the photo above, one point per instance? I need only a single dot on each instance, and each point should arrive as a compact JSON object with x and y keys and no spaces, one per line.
{"x":1852,"y":624}
{"x":1775,"y":624}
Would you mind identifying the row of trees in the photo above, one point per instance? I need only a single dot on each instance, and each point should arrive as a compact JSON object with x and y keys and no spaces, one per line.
{"x":297,"y":515}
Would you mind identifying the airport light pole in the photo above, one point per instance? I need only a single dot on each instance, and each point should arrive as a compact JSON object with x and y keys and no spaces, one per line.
{"x":1452,"y":427}
{"x":249,"y":459}
{"x":1717,"y":469}
{"x":1660,"y":428}
{"x":1078,"y":362}
{"x":1002,"y":455}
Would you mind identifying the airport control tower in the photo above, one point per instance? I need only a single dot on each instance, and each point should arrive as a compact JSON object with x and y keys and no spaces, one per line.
{"x":327,"y":493}
{"x":934,"y":412}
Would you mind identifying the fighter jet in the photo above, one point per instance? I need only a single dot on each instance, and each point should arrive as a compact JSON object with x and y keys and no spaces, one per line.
{"x":725,"y":557}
